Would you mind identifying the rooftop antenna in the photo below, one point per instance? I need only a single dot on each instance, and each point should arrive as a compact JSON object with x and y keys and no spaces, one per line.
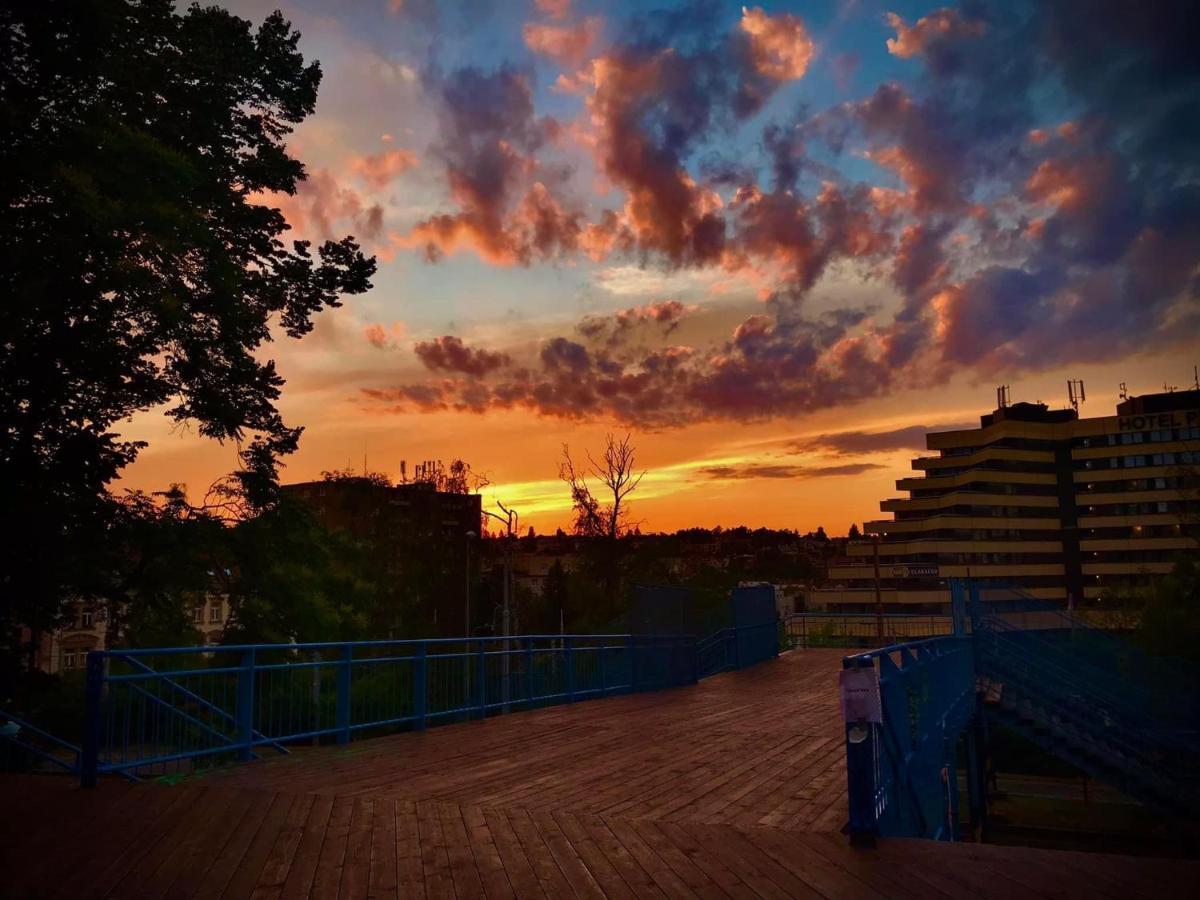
{"x":1196,"y":378}
{"x":1075,"y":392}
{"x":1002,"y":396}
{"x":1169,"y":388}
{"x":1124,"y":391}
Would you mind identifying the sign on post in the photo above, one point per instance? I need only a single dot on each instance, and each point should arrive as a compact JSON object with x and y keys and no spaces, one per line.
{"x":859,"y":689}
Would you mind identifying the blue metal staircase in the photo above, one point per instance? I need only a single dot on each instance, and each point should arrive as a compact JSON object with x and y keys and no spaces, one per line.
{"x":1089,"y":698}
{"x":1096,"y":702}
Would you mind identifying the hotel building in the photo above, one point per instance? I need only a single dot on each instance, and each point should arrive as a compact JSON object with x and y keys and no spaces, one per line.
{"x":1062,"y":507}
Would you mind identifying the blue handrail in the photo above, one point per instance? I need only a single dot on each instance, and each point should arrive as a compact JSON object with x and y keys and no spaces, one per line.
{"x":900,"y":769}
{"x":154,"y":711}
{"x":18,"y":740}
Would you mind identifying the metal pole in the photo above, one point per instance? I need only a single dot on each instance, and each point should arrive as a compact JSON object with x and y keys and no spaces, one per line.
{"x":508,"y":586}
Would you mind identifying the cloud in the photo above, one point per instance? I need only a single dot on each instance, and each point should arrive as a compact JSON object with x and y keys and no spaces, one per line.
{"x":489,"y":138}
{"x":450,"y":354}
{"x":939,"y":27}
{"x":567,"y":45}
{"x":382,"y":337}
{"x":618,"y":327}
{"x":911,"y":437}
{"x":555,"y":9}
{"x":770,"y":366}
{"x":767,"y":470}
{"x":322,"y":209}
{"x":1031,"y":208}
{"x":379,"y":169}
{"x":780,"y":45}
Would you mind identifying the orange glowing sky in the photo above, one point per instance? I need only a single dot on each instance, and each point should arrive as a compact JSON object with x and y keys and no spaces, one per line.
{"x":738,"y":233}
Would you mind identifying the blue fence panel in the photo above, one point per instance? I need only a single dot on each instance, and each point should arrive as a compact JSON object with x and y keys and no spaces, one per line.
{"x":162,"y":711}
{"x":900,"y":771}
{"x":756,"y":623}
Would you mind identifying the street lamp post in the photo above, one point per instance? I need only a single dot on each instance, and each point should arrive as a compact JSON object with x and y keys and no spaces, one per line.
{"x":510,"y":520}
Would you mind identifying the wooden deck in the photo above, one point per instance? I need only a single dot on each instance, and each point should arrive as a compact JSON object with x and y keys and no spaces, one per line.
{"x":734,"y":787}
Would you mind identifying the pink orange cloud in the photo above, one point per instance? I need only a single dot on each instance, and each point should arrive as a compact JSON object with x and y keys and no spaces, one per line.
{"x":780,"y":45}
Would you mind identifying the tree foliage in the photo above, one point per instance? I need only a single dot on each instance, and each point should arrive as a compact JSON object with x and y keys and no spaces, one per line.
{"x":140,"y":266}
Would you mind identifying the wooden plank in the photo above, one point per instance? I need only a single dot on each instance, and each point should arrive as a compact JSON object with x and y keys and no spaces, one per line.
{"x":735,"y":877}
{"x":209,"y":841}
{"x":953,"y":879}
{"x":694,"y":877}
{"x":283,"y":851}
{"x":733,"y":841}
{"x":221,"y":867}
{"x":410,"y":879}
{"x":162,"y":844}
{"x":245,"y":876}
{"x":594,"y":859}
{"x":521,"y":876}
{"x":467,"y":881}
{"x":865,"y":865}
{"x":667,"y":881}
{"x":303,"y":869}
{"x":487,"y":857}
{"x":383,"y":881}
{"x":328,"y":875}
{"x":132,"y":818}
{"x":356,"y":865}
{"x":556,"y":861}
{"x":811,"y":867}
{"x":435,"y":862}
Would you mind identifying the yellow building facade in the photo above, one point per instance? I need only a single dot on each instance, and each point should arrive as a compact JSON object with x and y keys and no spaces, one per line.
{"x":1061,"y":507}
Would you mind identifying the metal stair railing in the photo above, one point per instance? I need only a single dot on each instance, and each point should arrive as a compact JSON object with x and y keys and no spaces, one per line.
{"x":27,"y":737}
{"x":1107,"y":734}
{"x":900,"y":769}
{"x":1145,"y":702}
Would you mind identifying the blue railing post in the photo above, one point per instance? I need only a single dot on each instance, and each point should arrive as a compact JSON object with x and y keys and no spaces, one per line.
{"x":861,"y":768}
{"x":342,"y":720}
{"x":603,"y":670}
{"x":569,"y":664}
{"x":633,"y":664}
{"x":481,"y":678}
{"x":89,"y":758}
{"x":529,"y":670}
{"x":737,"y":647}
{"x":245,"y":706}
{"x":420,"y":689}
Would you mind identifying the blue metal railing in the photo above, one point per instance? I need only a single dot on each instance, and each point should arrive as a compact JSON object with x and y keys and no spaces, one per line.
{"x":900,"y":769}
{"x":840,"y":629}
{"x":26,"y":737}
{"x":162,"y":711}
{"x":737,"y":648}
{"x":1084,"y":695}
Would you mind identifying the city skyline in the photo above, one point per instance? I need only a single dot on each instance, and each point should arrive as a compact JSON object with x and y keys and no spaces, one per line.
{"x":748,"y":236}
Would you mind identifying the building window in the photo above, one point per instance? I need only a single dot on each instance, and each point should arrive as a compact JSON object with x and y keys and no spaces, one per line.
{"x":68,"y":659}
{"x":198,"y":615}
{"x":85,"y":619}
{"x":214,"y":614}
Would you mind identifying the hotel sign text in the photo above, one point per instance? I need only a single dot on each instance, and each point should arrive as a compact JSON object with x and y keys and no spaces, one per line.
{"x":1155,"y":421}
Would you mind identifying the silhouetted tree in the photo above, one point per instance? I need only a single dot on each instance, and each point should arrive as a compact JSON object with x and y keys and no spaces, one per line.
{"x":139,"y":264}
{"x":616,"y":472}
{"x":854,"y":534}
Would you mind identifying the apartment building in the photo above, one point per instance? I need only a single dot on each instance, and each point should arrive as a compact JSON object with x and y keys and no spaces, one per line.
{"x":1063,"y":507}
{"x":86,"y":628}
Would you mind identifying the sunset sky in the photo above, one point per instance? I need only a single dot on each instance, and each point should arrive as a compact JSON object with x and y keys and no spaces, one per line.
{"x":775,"y":243}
